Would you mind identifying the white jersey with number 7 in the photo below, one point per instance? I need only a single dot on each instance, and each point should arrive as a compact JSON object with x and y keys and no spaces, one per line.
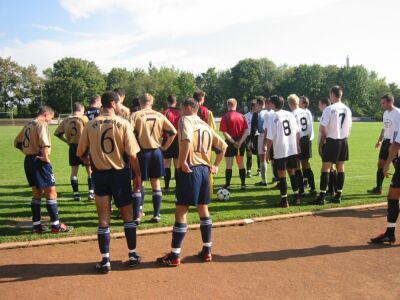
{"x":282,"y":130}
{"x":336,"y":118}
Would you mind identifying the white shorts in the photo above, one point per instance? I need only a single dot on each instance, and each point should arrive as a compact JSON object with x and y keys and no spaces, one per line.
{"x":261,"y":148}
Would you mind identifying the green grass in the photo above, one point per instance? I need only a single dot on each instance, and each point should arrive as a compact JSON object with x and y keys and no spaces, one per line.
{"x":15,"y":195}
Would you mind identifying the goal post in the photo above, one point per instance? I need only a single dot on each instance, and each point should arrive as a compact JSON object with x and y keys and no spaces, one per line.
{"x":62,"y":117}
{"x":7,"y":116}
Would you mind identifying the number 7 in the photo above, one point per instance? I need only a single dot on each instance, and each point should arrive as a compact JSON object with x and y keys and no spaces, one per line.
{"x":342,"y":116}
{"x":154,"y":123}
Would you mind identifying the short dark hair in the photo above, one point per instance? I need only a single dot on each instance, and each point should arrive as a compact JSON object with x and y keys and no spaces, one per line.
{"x":135,"y":104}
{"x":325,"y":101}
{"x":94,"y":99}
{"x":77,"y":106}
{"x":337,"y":91}
{"x":388,"y":98}
{"x":261,"y":100}
{"x":277,"y":101}
{"x":192,"y":103}
{"x":199,"y":94}
{"x":305,"y":101}
{"x":171,"y":99}
{"x":44,"y":109}
{"x":107,"y":98}
{"x":120,"y":91}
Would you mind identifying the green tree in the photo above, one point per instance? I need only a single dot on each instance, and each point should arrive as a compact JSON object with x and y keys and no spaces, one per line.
{"x":71,"y":80}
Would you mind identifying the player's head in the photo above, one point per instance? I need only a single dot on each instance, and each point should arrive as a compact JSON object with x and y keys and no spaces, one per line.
{"x":231,"y":103}
{"x":189,"y":107}
{"x":260,"y":102}
{"x":268,"y":104}
{"x":109,"y":100}
{"x":135,"y":104}
{"x":95,"y":101}
{"x":46,"y":113}
{"x":146,"y":100}
{"x":387,"y":101}
{"x":336,"y":94}
{"x":171,"y":100}
{"x":323,"y":103}
{"x":121,"y":93}
{"x":293,"y":101}
{"x":277,"y":102}
{"x":304,"y":102}
{"x":199,"y":96}
{"x":252,"y":106}
{"x":78,"y":108}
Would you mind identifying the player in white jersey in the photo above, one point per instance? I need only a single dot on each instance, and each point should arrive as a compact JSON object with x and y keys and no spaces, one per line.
{"x":390,"y":117}
{"x":335,"y":128}
{"x":283,"y":134}
{"x":249,"y":143}
{"x":304,"y":122}
{"x":394,"y":191}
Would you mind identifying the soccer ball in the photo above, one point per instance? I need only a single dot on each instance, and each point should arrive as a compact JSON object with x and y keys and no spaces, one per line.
{"x":223,"y":194}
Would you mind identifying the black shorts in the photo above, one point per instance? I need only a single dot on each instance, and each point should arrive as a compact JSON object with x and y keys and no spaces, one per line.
{"x":384,"y":152}
{"x":305,"y":148}
{"x":193,"y":188}
{"x":38,"y":173}
{"x":335,"y":150}
{"x":151,"y":163}
{"x":231,"y":151}
{"x":73,"y":159}
{"x":396,"y":176}
{"x":173,"y":150}
{"x":115,"y":183}
{"x":286,"y":162}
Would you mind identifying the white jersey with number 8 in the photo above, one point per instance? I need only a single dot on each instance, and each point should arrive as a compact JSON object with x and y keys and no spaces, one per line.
{"x":282,"y":130}
{"x":336,"y":118}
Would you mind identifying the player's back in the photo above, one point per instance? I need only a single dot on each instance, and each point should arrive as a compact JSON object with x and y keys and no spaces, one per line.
{"x":149,"y":126}
{"x":173,"y":115}
{"x":337,"y":119}
{"x":109,"y":138}
{"x":233,"y":123}
{"x":304,"y":122}
{"x":33,"y":137}
{"x":72,"y":128}
{"x":283,"y":130}
{"x":390,"y":122}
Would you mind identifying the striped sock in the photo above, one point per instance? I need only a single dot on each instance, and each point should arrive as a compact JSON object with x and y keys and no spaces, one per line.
{"x":36,"y":212}
{"x":130,"y":234}
{"x":103,"y":238}
{"x":157,"y":199}
{"x":52,"y":209}
{"x":205,"y":228}
{"x":178,"y":234}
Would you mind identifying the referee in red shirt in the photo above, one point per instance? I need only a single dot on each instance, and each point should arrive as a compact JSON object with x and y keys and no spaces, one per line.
{"x":234,"y":127}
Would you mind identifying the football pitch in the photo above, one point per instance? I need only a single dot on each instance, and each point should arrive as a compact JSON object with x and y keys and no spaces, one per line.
{"x":15,"y":195}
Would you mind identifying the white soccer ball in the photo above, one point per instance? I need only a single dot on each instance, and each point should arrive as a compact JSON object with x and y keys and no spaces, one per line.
{"x":223,"y":194}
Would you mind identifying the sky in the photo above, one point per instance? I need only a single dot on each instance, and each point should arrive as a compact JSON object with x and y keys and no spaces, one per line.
{"x":194,"y":35}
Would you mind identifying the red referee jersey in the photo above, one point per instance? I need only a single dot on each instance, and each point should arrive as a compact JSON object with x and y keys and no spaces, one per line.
{"x":173,"y":115}
{"x":234,"y":124}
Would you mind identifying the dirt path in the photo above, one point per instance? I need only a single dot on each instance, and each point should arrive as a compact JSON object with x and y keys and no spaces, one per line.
{"x":310,"y":258}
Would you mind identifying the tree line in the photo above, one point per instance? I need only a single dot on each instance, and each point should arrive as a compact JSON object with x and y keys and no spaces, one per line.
{"x":69,"y":80}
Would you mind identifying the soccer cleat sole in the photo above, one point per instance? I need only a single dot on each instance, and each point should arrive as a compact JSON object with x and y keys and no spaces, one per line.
{"x":103,"y":269}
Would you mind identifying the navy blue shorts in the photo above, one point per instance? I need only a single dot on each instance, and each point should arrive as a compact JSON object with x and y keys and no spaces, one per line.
{"x":38,"y":173}
{"x":151,"y":163}
{"x":193,"y":188}
{"x":73,"y":159}
{"x":115,"y":183}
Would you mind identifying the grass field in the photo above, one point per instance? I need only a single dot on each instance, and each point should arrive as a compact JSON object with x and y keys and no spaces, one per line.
{"x":15,"y":195}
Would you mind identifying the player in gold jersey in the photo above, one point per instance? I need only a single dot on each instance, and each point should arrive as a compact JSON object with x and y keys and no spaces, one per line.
{"x":196,"y":139}
{"x":122,"y":110}
{"x":69,"y":131}
{"x":149,"y":126}
{"x":112,"y":146}
{"x":34,"y":142}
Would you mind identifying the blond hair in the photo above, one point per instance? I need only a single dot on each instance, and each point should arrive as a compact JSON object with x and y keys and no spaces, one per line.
{"x":293,"y":99}
{"x":231,"y":102}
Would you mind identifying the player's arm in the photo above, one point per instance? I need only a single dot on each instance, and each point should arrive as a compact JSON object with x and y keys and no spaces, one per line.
{"x":269,"y":136}
{"x":380,"y":139}
{"x":18,"y":140}
{"x":322,"y":130}
{"x":228,"y":137}
{"x":83,"y":146}
{"x":244,"y":137}
{"x":186,"y":136}
{"x":44,"y":154}
{"x":137,"y":180}
{"x":60,"y":132}
{"x":211,"y":121}
{"x":131,"y":149}
{"x":269,"y":145}
{"x":170,"y":130}
{"x":219,"y":147}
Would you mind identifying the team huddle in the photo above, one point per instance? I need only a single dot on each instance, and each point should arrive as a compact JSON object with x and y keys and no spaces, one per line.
{"x":121,"y":150}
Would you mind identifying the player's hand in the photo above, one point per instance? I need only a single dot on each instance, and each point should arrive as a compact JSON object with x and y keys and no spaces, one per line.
{"x":377,"y":145}
{"x":386,"y":168}
{"x":213,"y":169}
{"x":43,"y":159}
{"x":236,"y":145}
{"x":185,"y":168}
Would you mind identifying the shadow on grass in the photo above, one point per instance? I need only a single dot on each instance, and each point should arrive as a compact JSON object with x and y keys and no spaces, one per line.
{"x":288,"y":253}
